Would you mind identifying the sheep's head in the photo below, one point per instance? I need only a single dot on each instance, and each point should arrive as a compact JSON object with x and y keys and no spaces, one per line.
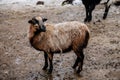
{"x":38,"y":24}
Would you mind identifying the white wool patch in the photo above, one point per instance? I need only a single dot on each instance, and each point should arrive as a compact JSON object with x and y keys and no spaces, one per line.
{"x":58,"y":40}
{"x":62,"y":35}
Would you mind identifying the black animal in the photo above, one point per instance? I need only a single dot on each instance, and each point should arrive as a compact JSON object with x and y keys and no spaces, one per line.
{"x":90,"y":6}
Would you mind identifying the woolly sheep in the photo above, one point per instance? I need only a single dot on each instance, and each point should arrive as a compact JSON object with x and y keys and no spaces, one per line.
{"x":56,"y":38}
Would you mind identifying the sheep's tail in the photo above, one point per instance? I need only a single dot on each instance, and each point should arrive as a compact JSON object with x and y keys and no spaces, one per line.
{"x":117,"y":3}
{"x":87,"y":36}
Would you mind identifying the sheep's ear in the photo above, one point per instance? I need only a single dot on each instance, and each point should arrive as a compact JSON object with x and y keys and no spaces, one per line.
{"x":30,"y":21}
{"x":44,"y":19}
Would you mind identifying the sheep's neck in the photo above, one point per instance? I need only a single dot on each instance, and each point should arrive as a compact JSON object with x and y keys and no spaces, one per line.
{"x":34,"y":38}
{"x":35,"y":41}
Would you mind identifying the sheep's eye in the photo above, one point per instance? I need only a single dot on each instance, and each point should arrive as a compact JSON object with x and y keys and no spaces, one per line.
{"x":36,"y":21}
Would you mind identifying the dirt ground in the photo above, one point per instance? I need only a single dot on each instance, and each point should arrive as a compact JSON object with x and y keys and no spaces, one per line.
{"x":19,"y":61}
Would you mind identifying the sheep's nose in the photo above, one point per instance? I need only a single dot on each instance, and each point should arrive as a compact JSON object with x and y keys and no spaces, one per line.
{"x":43,"y":28}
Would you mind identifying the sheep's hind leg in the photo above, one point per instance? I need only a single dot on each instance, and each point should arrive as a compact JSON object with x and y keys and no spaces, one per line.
{"x":46,"y":61}
{"x":80,"y":59}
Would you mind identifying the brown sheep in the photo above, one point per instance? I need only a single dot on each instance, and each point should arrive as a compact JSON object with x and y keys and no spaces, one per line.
{"x":56,"y":38}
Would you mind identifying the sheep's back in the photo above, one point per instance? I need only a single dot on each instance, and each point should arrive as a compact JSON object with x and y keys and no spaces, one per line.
{"x":63,"y":35}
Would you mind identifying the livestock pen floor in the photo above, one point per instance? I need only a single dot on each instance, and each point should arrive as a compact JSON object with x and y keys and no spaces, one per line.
{"x":19,"y":61}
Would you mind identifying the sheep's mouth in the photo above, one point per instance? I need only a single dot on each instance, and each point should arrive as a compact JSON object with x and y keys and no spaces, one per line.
{"x":40,"y":28}
{"x":43,"y":28}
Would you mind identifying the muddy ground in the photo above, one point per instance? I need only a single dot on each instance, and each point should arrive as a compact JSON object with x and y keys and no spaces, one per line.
{"x":19,"y":61}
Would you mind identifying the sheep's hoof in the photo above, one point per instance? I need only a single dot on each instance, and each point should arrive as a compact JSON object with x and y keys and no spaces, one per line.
{"x":104,"y":17}
{"x":74,"y":66}
{"x":85,"y":20}
{"x":78,"y":71}
{"x":89,"y":19}
{"x":49,"y":71}
{"x":44,"y":68}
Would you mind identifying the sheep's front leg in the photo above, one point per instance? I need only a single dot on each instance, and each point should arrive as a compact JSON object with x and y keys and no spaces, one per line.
{"x":76,"y":63}
{"x":46,"y":61}
{"x":87,"y":9}
{"x":50,"y":55}
{"x":81,"y":59}
{"x":91,"y":8}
